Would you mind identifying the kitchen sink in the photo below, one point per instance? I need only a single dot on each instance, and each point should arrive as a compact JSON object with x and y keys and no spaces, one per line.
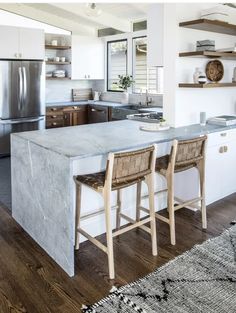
{"x":120,"y":113}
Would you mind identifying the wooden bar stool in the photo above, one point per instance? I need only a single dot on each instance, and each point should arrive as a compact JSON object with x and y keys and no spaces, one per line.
{"x":185,"y":154}
{"x":123,"y":170}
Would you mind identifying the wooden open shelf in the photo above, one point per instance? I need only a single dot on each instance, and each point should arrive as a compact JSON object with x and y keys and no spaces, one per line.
{"x":208,"y":85}
{"x":57,"y":78}
{"x":57,"y":47}
{"x":209,"y":54}
{"x":57,"y":63}
{"x":211,"y":26}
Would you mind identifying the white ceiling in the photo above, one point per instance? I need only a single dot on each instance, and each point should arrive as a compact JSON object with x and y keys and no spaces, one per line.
{"x":72,"y":16}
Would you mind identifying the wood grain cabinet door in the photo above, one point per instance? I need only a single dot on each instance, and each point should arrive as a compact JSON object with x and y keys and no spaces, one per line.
{"x":78,"y":116}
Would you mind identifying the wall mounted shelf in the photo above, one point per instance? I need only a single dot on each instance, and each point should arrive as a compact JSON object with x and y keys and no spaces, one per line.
{"x":57,"y":63}
{"x":209,"y":85}
{"x":58,"y":78}
{"x":209,"y":54}
{"x":57,"y":47}
{"x":211,"y":26}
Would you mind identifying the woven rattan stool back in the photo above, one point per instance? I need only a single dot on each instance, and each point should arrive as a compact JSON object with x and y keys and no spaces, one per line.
{"x":190,"y":151}
{"x":132,"y":166}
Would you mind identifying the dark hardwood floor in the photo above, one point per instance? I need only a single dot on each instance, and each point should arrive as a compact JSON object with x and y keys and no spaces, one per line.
{"x":31,"y":282}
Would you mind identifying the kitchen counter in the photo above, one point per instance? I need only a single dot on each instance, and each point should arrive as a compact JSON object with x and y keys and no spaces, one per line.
{"x":96,"y":139}
{"x":102,"y":103}
{"x":43,"y":164}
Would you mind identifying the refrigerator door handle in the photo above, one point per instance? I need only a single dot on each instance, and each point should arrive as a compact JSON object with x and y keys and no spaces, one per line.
{"x":21,"y":121}
{"x":24,"y":86}
{"x":20,"y":89}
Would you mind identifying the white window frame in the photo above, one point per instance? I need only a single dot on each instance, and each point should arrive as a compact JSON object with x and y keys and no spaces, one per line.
{"x":129,"y":37}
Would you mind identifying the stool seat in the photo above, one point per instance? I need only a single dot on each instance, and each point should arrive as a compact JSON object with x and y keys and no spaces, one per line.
{"x":97,"y":180}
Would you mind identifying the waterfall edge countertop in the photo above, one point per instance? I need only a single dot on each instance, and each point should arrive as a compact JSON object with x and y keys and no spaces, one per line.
{"x":98,"y":139}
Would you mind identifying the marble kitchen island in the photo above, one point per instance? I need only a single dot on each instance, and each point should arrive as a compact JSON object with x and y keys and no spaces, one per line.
{"x":44,"y":162}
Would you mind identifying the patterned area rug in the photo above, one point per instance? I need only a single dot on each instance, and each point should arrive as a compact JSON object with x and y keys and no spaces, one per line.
{"x":200,"y":280}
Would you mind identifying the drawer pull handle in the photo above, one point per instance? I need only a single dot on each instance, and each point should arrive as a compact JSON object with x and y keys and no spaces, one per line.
{"x":96,"y":110}
{"x":54,"y":124}
{"x":225,"y":148}
{"x":54,"y":109}
{"x":221,"y":150}
{"x":223,"y":134}
{"x":53,"y":116}
{"x":75,"y":107}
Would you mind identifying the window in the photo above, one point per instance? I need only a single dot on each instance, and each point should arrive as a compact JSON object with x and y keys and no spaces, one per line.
{"x":116,"y":63}
{"x":121,"y":61}
{"x":141,"y":25}
{"x":150,"y":79}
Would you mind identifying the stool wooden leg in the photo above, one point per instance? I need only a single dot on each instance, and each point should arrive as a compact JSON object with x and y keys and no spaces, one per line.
{"x":138,"y":201}
{"x":118,"y":209}
{"x":77,"y":215}
{"x":202,"y":191}
{"x":110,"y":253}
{"x":150,"y":184}
{"x":171,"y":211}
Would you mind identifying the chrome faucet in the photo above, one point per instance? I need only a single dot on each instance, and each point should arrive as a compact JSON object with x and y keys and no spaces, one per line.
{"x":148,"y":100}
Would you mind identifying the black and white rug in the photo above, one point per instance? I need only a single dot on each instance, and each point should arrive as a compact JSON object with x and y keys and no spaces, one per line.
{"x":200,"y":280}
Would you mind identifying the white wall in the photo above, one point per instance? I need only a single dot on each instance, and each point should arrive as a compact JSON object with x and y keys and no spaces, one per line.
{"x":182,"y":106}
{"x":11,"y":19}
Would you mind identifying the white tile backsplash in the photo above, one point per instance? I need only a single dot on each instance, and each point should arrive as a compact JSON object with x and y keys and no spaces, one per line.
{"x":57,"y":91}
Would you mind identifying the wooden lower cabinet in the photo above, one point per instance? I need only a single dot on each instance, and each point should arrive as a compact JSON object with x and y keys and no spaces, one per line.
{"x":75,"y":117}
{"x":66,"y":116}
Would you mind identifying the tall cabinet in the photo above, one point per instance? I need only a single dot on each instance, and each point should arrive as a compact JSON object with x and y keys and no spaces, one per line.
{"x":22,"y":43}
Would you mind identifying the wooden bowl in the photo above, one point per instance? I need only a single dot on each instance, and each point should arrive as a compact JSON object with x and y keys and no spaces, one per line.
{"x":215,"y":70}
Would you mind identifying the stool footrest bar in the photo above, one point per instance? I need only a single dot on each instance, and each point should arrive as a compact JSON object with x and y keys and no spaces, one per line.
{"x":129,"y":219}
{"x":93,"y":240}
{"x":162,"y":218}
{"x":127,"y":228}
{"x":186,"y":203}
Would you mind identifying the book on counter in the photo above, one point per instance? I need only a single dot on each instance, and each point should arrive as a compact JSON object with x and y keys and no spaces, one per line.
{"x":222,"y":120}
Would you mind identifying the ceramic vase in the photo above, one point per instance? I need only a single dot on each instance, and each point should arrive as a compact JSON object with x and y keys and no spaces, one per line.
{"x":196,"y":74}
{"x":125,"y":97}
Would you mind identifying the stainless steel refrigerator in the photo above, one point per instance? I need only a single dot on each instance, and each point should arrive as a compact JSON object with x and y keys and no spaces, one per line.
{"x":22,"y":99}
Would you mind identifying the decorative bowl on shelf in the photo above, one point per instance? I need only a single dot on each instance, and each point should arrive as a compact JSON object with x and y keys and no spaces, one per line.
{"x":215,"y":70}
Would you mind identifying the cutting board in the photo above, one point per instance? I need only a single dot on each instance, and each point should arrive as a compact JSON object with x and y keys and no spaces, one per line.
{"x":82,"y":94}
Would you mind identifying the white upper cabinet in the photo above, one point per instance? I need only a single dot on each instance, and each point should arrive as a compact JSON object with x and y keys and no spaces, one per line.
{"x":21,"y":43}
{"x":87,"y":57}
{"x":9,"y":38}
{"x":31,"y":44}
{"x":155,"y":21}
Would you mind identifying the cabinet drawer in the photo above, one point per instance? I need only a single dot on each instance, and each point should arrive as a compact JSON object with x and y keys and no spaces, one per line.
{"x":54,"y":124}
{"x":75,"y":108}
{"x":54,"y":111}
{"x":221,"y":137}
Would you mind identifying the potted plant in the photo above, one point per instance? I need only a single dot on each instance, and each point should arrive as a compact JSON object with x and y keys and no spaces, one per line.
{"x":125,"y":81}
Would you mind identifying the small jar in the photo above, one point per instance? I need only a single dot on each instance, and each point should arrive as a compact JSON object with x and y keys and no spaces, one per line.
{"x":54,"y":42}
{"x":196,"y":74}
{"x":202,"y":79}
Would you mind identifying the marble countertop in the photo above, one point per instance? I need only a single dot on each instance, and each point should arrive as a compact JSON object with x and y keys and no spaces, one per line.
{"x":100,"y":139}
{"x":103,"y":103}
